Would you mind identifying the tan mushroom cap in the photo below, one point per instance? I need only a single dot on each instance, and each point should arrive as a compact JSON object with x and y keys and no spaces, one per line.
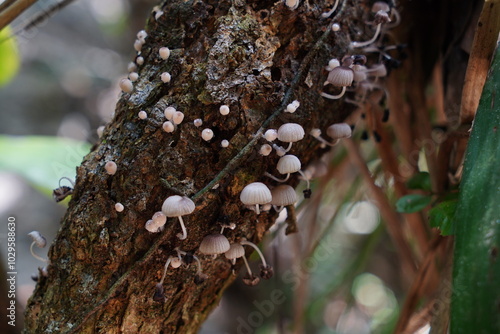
{"x":283,"y":195}
{"x":339,"y":130}
{"x":235,"y":251}
{"x":255,"y":193}
{"x":341,"y":76}
{"x":290,"y":132}
{"x":214,"y":244}
{"x":175,"y":206}
{"x":288,"y":164}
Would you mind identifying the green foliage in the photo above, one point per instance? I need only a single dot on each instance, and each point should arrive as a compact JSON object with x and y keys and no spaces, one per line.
{"x":421,"y":180}
{"x":41,"y":160}
{"x":441,"y":216}
{"x":412,"y":203}
{"x":9,"y":57}
{"x":476,"y":269}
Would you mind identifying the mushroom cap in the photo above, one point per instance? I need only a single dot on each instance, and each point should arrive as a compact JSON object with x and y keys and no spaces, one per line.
{"x":159,"y":218}
{"x":339,"y":130}
{"x":290,"y":132}
{"x":176,"y":205}
{"x":283,"y":195}
{"x":288,"y":164}
{"x":214,"y":244}
{"x":38,"y":238}
{"x":341,"y":76}
{"x":255,"y":193}
{"x":235,"y":251}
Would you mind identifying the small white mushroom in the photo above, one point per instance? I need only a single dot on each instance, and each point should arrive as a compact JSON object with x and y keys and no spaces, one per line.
{"x":139,"y":60}
{"x":178,"y":206}
{"x":198,"y":122}
{"x":40,"y":241}
{"x":138,"y":45}
{"x":255,"y":193}
{"x":100,"y":131}
{"x":141,"y":36}
{"x":165,"y":77}
{"x":126,"y":85}
{"x":224,"y":143}
{"x":111,"y":167}
{"x":207,"y":134}
{"x":283,"y":195}
{"x":169,"y":112}
{"x":168,"y":127}
{"x":131,"y":67}
{"x":290,"y":133}
{"x":119,"y":207}
{"x":292,"y":107}
{"x":234,"y":252}
{"x":335,"y":27}
{"x":177,"y":118}
{"x":335,"y":131}
{"x":214,"y":244}
{"x":142,"y":114}
{"x":224,"y":110}
{"x":265,"y":150}
{"x":271,"y":135}
{"x":133,"y":76}
{"x":164,"y":53}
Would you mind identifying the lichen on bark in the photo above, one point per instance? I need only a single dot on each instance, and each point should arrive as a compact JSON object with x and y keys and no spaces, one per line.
{"x":253,"y":56}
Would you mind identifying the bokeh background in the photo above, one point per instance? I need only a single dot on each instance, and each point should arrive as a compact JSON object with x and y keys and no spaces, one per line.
{"x":339,"y":275}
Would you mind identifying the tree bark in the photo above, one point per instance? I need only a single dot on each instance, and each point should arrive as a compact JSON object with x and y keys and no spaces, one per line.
{"x":255,"y":57}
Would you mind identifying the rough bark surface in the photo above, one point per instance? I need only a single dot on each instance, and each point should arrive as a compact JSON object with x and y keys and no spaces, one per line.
{"x":256,"y":57}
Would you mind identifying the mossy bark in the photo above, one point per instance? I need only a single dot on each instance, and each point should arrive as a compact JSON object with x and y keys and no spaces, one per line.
{"x":255,"y":56}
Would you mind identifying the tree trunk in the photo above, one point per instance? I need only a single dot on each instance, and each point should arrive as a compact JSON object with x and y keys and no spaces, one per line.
{"x":255,"y":57}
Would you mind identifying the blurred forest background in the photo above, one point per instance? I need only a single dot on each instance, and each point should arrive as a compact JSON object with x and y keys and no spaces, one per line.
{"x":341,"y":274}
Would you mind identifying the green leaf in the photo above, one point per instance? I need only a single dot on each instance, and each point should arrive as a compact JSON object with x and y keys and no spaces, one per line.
{"x":9,"y":57}
{"x":476,"y":268}
{"x":412,"y":203}
{"x":441,"y":216}
{"x":41,"y":160}
{"x":421,"y":180}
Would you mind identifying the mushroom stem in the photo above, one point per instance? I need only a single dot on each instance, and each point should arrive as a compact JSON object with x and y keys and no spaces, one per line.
{"x":326,"y":142}
{"x":257,"y":210}
{"x":248,"y":267}
{"x":184,"y":232}
{"x":278,"y":209}
{"x":275,"y":178}
{"x":35,"y":255}
{"x":246,"y":242}
{"x":306,"y":178}
{"x":199,"y":271}
{"x":165,"y":270}
{"x":330,"y":12}
{"x":289,"y":147}
{"x":370,"y":41}
{"x":334,"y":97}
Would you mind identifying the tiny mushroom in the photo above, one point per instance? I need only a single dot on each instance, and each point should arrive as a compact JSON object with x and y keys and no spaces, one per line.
{"x":142,"y":114}
{"x":290,"y":133}
{"x":207,"y":134}
{"x":126,"y":85}
{"x":292,"y":107}
{"x":178,"y":117}
{"x":198,"y":122}
{"x":266,"y":271}
{"x":271,"y":135}
{"x":265,"y":150}
{"x":340,"y":76}
{"x":255,"y":193}
{"x":381,"y":17}
{"x":336,"y":131}
{"x":119,"y":207}
{"x":283,"y":195}
{"x":288,"y":164}
{"x":164,"y":53}
{"x":224,"y":143}
{"x":178,"y":206}
{"x":40,"y":241}
{"x":169,"y":112}
{"x":165,"y":77}
{"x":111,"y":167}
{"x":234,"y":252}
{"x":168,"y":127}
{"x":224,"y":110}
{"x":214,"y":244}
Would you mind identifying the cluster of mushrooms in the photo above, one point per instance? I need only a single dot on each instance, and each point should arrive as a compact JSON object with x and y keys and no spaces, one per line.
{"x":255,"y":196}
